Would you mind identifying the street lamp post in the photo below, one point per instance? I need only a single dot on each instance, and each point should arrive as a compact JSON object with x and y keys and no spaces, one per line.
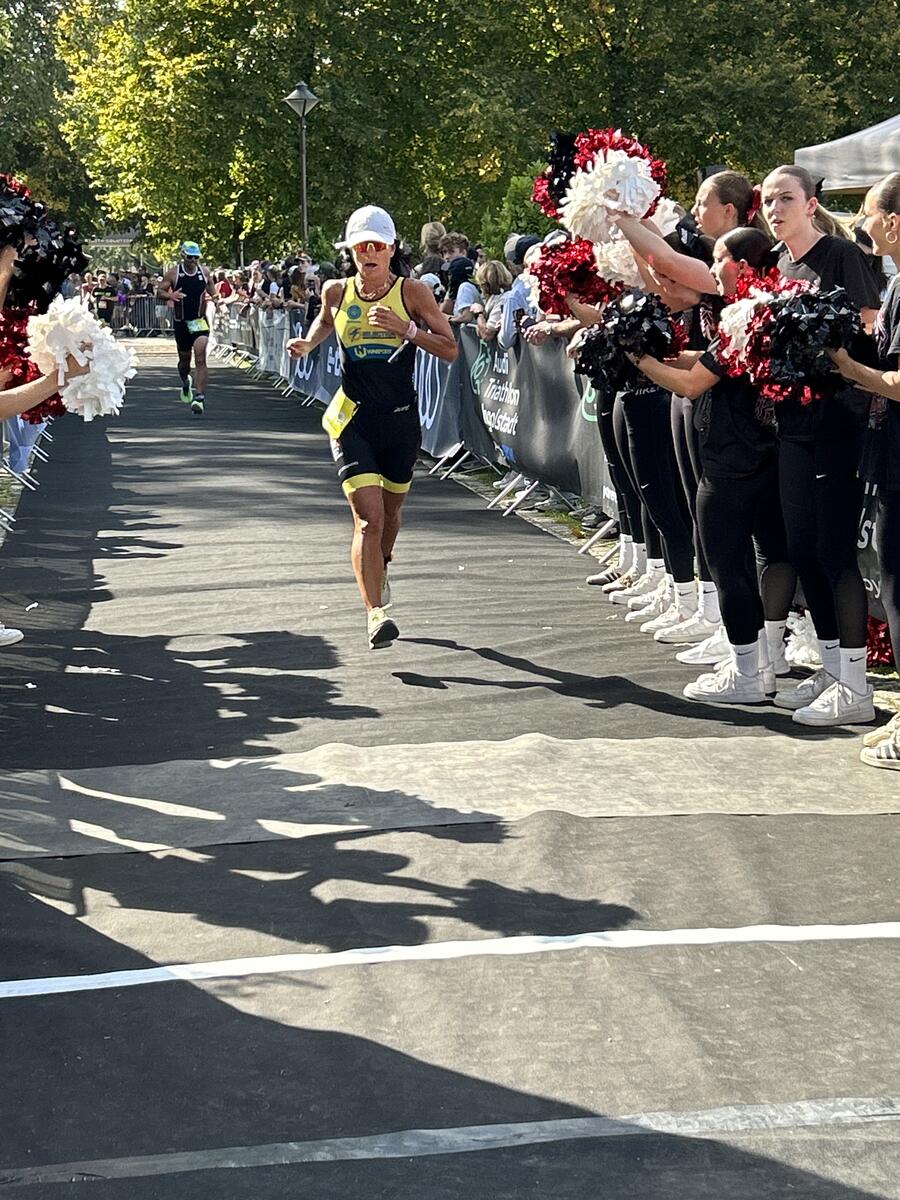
{"x":302,"y":100}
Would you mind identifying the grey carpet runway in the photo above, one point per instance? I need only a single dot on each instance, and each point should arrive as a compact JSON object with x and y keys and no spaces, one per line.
{"x":493,"y":913}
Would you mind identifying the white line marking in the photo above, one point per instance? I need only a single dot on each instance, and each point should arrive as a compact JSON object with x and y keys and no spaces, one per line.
{"x":416,"y":1143}
{"x":279,"y":964}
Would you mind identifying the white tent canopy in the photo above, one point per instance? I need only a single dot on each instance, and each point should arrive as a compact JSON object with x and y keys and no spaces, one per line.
{"x":853,"y":163}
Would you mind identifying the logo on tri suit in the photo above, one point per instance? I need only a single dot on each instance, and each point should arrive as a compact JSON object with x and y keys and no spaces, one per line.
{"x":354,"y":312}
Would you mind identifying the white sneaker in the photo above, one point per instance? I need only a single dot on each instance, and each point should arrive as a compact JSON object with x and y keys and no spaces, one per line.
{"x":654,"y":606}
{"x":768,"y":677}
{"x":806,"y":692}
{"x":500,"y":484}
{"x":692,"y":629}
{"x":642,"y":586}
{"x":708,"y":653}
{"x":9,"y":637}
{"x":728,"y":686}
{"x":668,"y":616}
{"x":838,"y":705}
{"x":657,"y":590}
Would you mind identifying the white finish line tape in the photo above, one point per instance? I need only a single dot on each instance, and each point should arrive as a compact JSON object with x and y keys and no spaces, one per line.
{"x":416,"y":1143}
{"x":277,"y":964}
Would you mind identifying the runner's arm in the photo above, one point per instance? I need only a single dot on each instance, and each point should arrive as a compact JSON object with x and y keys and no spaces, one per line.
{"x":437,"y":336}
{"x":323,"y":325}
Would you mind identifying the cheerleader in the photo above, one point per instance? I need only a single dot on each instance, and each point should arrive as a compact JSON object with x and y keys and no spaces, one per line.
{"x":881,"y":444}
{"x":820,"y":445}
{"x":737,"y":501}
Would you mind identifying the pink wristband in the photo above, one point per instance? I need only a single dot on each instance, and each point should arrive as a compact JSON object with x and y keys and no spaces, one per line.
{"x":411,"y":330}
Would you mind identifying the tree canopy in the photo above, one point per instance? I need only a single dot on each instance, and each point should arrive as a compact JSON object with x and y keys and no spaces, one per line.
{"x":175,"y":106}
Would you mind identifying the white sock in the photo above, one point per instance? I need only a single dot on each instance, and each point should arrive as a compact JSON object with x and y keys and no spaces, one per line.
{"x":746,"y":658}
{"x":686,"y":598}
{"x":655,"y":566}
{"x":626,"y":553}
{"x":765,"y":658}
{"x":708,"y":601}
{"x":830,"y":653}
{"x":775,"y":639}
{"x":669,"y":591}
{"x":639,"y":559}
{"x":853,"y":669}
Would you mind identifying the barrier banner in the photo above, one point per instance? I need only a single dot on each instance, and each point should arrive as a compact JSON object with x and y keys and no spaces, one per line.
{"x":537,"y":412}
{"x":868,"y":559}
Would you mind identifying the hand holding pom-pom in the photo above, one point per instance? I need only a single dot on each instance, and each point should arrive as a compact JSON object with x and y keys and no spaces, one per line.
{"x":634,"y":326}
{"x":67,"y":334}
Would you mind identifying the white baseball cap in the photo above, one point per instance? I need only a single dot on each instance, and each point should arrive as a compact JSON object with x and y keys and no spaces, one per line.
{"x":370,"y":224}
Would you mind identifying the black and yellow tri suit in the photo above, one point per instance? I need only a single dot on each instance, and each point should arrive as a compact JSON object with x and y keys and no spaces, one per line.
{"x":377,"y":446}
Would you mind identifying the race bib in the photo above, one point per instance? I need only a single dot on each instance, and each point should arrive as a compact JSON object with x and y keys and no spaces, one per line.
{"x":199,"y":325}
{"x":338,"y":415}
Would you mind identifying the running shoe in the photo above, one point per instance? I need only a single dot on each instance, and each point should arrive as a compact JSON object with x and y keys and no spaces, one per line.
{"x":500,"y":484}
{"x":386,"y":601}
{"x":885,"y":754}
{"x":197,"y":404}
{"x":838,"y":705}
{"x":727,"y":685}
{"x":691,"y":630}
{"x":186,"y":394}
{"x":381,"y":629}
{"x":671,"y":622}
{"x":9,"y":637}
{"x":806,"y":692}
{"x":883,"y":732}
{"x":708,"y":653}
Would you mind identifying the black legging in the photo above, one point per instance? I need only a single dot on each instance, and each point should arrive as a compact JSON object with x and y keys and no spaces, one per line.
{"x":652,"y":540}
{"x":887,"y":543}
{"x":740,"y":523}
{"x":686,"y":442}
{"x":630,"y":515}
{"x":648,"y":433}
{"x":822,"y":496}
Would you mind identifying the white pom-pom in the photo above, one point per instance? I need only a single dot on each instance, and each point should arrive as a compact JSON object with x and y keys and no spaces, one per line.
{"x":68,"y":329}
{"x":616,"y":263}
{"x":615,"y":182}
{"x":735,"y":322}
{"x":666,"y":215}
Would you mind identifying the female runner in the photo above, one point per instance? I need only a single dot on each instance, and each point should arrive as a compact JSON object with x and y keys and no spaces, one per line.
{"x":373,"y":420}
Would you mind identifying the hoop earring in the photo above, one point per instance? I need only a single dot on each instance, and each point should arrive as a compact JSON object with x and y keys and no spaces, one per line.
{"x":891,"y":241}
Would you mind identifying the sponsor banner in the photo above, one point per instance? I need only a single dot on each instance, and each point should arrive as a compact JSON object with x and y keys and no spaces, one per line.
{"x":868,"y":559}
{"x":538,"y":413}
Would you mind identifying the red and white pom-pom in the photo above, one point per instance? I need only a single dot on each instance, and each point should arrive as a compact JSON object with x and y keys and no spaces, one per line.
{"x":613,"y":173}
{"x":616,"y":262}
{"x":568,"y":268}
{"x":613,"y":182}
{"x":68,"y":329}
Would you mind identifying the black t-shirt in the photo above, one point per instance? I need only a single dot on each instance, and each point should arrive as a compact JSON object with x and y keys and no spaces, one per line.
{"x":881,"y":445}
{"x":104,"y":301}
{"x":734,"y":444}
{"x":832,"y":262}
